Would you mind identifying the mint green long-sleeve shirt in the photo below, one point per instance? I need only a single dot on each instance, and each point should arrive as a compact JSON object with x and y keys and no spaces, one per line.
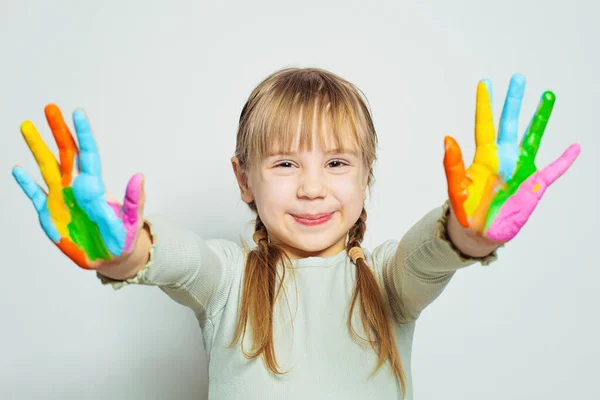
{"x":312,"y":341}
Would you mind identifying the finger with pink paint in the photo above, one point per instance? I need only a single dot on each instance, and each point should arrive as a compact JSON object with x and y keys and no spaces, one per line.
{"x":516,"y":210}
{"x":75,"y":213}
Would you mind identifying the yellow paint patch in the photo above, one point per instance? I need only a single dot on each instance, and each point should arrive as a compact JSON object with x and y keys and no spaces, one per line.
{"x":51,"y":173}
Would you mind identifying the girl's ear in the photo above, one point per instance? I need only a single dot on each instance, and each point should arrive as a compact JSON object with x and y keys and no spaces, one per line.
{"x":242,"y":180}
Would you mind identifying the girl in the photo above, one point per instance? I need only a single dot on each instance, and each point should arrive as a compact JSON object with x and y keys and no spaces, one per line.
{"x":307,"y":312}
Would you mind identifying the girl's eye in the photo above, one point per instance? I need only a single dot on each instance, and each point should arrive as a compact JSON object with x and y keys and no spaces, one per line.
{"x":337,"y":163}
{"x":284,"y":164}
{"x":332,"y":164}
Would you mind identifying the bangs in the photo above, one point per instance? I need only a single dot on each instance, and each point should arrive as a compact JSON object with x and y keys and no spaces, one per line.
{"x":287,"y":114}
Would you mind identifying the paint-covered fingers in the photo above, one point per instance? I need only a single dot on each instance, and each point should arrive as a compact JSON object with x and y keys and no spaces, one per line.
{"x":537,"y":183}
{"x":67,"y":148}
{"x":89,"y":194}
{"x":39,"y":199}
{"x":509,"y":121}
{"x":133,"y":209}
{"x":30,"y":188}
{"x":89,"y":158}
{"x":533,"y":136}
{"x":508,"y":145}
{"x":456,"y":178}
{"x":485,"y":134}
{"x":43,"y":156}
{"x":516,"y":211}
{"x":557,"y":168}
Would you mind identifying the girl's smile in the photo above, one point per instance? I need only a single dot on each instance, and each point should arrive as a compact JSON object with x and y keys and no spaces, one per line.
{"x":313,"y":219}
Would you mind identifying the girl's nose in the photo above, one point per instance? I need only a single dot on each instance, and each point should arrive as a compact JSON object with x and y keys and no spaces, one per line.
{"x":312,"y":187}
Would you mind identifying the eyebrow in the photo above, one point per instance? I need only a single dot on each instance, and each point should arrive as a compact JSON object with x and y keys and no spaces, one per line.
{"x":328,"y":152}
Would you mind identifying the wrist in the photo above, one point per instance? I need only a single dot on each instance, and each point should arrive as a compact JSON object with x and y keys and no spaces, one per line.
{"x":130,"y":265}
{"x":467,"y":241}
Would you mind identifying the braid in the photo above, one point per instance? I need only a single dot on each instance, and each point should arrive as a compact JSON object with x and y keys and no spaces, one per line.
{"x":373,"y":312}
{"x":260,"y":290}
{"x":261,"y":236}
{"x":356,"y":236}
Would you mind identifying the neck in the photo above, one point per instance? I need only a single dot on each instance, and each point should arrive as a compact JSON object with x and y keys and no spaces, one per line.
{"x":295,"y":253}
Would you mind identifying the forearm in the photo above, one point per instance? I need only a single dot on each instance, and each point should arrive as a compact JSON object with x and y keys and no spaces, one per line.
{"x":194,"y":272}
{"x":418,"y":268}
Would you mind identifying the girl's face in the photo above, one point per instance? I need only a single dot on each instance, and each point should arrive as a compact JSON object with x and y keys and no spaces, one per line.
{"x":308,"y":200}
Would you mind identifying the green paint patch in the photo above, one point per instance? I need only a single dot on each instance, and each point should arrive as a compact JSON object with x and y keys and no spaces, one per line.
{"x":525,"y":168}
{"x":83,"y":231}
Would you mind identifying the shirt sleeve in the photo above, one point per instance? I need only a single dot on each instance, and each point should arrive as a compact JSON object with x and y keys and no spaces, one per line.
{"x":416,"y":269}
{"x":194,"y":272}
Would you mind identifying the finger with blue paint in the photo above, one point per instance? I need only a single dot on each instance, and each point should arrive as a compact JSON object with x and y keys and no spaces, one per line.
{"x":75,"y":213}
{"x":508,"y":146}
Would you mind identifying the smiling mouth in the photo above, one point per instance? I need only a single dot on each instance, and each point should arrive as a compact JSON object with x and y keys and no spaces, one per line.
{"x":312,"y":219}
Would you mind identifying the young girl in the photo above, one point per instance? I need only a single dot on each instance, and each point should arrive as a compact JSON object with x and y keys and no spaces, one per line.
{"x":307,"y":312}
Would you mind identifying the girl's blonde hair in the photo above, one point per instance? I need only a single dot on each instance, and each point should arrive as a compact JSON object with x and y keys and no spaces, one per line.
{"x":280,"y":107}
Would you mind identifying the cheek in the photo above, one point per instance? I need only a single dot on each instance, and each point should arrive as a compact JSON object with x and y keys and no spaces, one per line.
{"x":347,"y":192}
{"x":275,"y":194}
{"x":273,"y":200}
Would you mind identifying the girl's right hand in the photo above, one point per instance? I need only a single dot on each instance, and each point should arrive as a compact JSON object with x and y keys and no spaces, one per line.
{"x":85,"y":223}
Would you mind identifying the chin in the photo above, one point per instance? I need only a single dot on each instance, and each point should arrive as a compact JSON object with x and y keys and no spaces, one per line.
{"x":311,"y":247}
{"x":314,"y":245}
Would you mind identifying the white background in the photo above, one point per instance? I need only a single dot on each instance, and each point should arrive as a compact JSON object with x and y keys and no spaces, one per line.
{"x":164,"y":83}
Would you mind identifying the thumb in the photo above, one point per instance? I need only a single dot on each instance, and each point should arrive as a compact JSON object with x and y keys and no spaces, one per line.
{"x":133,"y":209}
{"x":456,"y":178}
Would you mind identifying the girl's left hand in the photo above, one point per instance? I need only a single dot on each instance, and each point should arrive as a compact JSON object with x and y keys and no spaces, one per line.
{"x":495,"y":196}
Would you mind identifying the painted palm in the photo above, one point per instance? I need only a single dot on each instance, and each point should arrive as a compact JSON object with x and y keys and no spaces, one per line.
{"x":498,"y":192}
{"x":76,"y":214}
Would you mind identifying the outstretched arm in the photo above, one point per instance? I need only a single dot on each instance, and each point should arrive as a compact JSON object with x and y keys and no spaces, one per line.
{"x":488,"y":204}
{"x":96,"y":232}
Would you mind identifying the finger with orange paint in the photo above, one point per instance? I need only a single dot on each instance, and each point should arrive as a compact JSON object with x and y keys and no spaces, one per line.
{"x":75,"y":214}
{"x":67,"y":149}
{"x":456,"y":178}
